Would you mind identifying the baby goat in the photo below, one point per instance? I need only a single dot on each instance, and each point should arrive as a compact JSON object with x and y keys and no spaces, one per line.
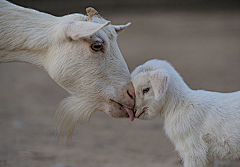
{"x":202,"y":125}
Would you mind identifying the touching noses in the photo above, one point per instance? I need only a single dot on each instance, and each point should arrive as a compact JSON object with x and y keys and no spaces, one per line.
{"x":131,"y":92}
{"x":129,"y":95}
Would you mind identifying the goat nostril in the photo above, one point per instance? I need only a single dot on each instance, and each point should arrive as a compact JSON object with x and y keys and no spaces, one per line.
{"x":130,"y":95}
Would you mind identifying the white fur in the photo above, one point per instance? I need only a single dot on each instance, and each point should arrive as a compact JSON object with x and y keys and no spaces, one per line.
{"x":62,"y":47}
{"x":202,"y":125}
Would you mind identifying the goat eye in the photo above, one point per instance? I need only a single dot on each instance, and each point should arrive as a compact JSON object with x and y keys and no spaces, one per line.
{"x":145,"y":90}
{"x":97,"y":46}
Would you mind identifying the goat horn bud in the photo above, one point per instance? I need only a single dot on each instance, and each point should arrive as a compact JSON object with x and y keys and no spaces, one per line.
{"x":91,"y":12}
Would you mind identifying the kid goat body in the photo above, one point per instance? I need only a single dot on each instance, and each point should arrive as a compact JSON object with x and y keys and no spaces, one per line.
{"x":202,"y":125}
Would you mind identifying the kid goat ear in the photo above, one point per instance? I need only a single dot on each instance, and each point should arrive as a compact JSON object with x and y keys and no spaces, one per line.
{"x":159,"y":81}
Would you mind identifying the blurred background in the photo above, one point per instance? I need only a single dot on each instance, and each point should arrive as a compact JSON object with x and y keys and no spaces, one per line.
{"x":200,"y":38}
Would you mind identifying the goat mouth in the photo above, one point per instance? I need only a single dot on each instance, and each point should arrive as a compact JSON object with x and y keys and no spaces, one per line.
{"x":138,"y":115}
{"x":141,"y":113}
{"x":128,"y":110}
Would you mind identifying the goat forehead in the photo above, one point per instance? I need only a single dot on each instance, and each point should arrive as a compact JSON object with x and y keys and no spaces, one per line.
{"x":141,"y":77}
{"x":108,"y":35}
{"x":100,"y":36}
{"x":109,"y":30}
{"x":140,"y":81}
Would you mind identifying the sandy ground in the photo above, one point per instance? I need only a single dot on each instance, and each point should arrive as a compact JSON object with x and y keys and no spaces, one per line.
{"x":204,"y":47}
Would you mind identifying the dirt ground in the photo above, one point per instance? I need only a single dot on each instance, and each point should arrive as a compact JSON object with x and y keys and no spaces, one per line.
{"x":204,"y":47}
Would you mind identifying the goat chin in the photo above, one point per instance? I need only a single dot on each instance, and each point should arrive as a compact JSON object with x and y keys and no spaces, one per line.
{"x":71,"y":110}
{"x":80,"y":109}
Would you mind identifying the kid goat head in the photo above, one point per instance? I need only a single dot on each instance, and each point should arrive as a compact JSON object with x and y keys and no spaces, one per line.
{"x":150,"y":85}
{"x":79,"y":52}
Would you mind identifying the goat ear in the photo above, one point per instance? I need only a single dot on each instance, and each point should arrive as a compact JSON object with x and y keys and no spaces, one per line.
{"x":159,"y":81}
{"x":121,"y":28}
{"x":79,"y":29}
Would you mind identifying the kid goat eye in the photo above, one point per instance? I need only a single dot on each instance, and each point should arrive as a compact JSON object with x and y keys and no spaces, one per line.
{"x":145,"y":90}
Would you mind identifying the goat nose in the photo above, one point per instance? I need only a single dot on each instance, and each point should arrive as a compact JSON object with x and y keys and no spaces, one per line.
{"x":131,"y":92}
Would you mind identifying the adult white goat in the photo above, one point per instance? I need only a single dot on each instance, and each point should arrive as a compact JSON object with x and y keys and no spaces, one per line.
{"x":79,"y":52}
{"x":202,"y":125}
